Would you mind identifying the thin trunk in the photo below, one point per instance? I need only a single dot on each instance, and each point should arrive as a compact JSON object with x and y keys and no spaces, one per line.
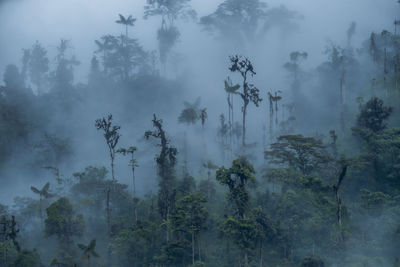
{"x":198,"y":244}
{"x":108,"y":225}
{"x":385,"y":71}
{"x":342,"y":82}
{"x":112,"y":165}
{"x":244,"y":127}
{"x":193,"y":247}
{"x":261,"y":257}
{"x":166,"y":225}
{"x":41,"y":212}
{"x":134,"y":189}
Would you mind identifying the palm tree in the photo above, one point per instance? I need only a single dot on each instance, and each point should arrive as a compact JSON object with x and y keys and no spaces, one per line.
{"x":133,"y":163}
{"x":129,"y":21}
{"x":231,"y":90}
{"x":43,"y":193}
{"x":89,"y":251}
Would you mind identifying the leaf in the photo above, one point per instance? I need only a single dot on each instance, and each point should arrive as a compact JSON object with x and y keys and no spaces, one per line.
{"x":92,"y":244}
{"x":35,"y":190}
{"x":81,"y":246}
{"x":46,"y":187}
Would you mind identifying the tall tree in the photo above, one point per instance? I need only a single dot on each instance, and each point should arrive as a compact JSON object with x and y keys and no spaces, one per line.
{"x":89,"y":250}
{"x":112,"y":136}
{"x":241,"y":22}
{"x":249,"y":92}
{"x":231,"y":90}
{"x":64,"y":223}
{"x":43,"y":193}
{"x":237,"y":179}
{"x":336,"y":189}
{"x":166,"y":162}
{"x":133,"y":163}
{"x":304,"y":154}
{"x":189,"y":217}
{"x":38,"y":66}
{"x":168,"y":34}
{"x":129,"y":21}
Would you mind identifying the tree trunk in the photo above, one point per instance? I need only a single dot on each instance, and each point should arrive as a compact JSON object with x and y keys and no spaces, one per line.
{"x":108,"y":211}
{"x":41,"y":212}
{"x":198,"y":244}
{"x":134,"y":190}
{"x":244,"y":127}
{"x":112,"y":166}
{"x":193,"y":247}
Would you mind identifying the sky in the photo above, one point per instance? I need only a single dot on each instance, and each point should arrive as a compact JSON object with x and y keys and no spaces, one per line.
{"x":22,"y":22}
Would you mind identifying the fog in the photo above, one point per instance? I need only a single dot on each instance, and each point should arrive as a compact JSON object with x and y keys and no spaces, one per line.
{"x":50,"y":121}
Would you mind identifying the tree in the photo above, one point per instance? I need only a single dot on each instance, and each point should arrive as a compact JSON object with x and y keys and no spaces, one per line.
{"x":166,"y":161}
{"x":63,"y":76}
{"x":370,"y":128}
{"x":240,"y":22}
{"x":249,"y":93}
{"x":336,"y":189}
{"x":236,"y":20}
{"x":122,"y":56}
{"x":293,"y":67}
{"x":88,"y":251}
{"x":273,"y":99}
{"x":373,"y":115}
{"x":237,"y":178}
{"x":190,"y":115}
{"x":64,"y":223}
{"x":38,"y":66}
{"x":133,"y":163}
{"x":189,"y":217}
{"x":211,"y":167}
{"x":43,"y":193}
{"x":304,"y":154}
{"x":168,"y":34}
{"x":12,"y":78}
{"x":231,"y":90}
{"x":27,"y":258}
{"x":129,"y":21}
{"x":111,"y":135}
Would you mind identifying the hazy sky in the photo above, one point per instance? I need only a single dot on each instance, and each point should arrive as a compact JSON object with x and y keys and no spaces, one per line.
{"x":22,"y":22}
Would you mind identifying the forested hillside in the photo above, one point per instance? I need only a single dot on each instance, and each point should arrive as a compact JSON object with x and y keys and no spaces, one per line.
{"x":157,"y":157}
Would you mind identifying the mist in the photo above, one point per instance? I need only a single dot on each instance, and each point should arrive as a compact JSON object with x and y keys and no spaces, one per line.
{"x":297,"y":139}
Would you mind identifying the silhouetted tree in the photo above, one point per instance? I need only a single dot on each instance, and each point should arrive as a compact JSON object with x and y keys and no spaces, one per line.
{"x":63,"y":223}
{"x":43,"y":193}
{"x":168,"y":33}
{"x":133,"y":163}
{"x":89,"y":250}
{"x":249,"y":92}
{"x":38,"y":66}
{"x":166,"y":161}
{"x":129,"y":21}
{"x":112,"y":136}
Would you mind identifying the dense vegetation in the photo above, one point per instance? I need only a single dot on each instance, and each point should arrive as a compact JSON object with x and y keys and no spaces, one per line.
{"x":297,"y":195}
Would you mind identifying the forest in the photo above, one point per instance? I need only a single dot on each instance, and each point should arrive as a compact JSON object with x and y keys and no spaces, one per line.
{"x":201,"y":134}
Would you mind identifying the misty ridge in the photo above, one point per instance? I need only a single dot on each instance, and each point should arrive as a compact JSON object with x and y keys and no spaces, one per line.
{"x":199,"y":133}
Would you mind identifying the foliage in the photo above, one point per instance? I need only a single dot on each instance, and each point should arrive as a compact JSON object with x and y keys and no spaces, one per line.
{"x":304,"y":154}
